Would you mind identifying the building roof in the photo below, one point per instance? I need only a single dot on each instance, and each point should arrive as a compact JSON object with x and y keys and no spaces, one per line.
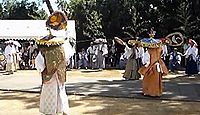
{"x":30,"y":29}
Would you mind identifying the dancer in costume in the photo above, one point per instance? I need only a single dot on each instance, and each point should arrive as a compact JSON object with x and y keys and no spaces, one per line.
{"x":51,"y":62}
{"x":132,"y":66}
{"x":153,"y":72}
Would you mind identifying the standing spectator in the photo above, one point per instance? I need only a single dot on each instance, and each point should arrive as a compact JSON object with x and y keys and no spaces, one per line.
{"x":185,"y":47}
{"x":164,"y":52}
{"x":112,"y":55}
{"x":83,"y":59}
{"x":9,"y":57}
{"x":14,"y":53}
{"x":139,"y":54}
{"x":105,"y":52}
{"x":146,"y":58}
{"x":124,"y":55}
{"x":198,"y":61}
{"x":174,"y":60}
{"x":31,"y":49}
{"x":101,"y":52}
{"x":91,"y":53}
{"x":20,"y":59}
{"x":191,"y":56}
{"x":25,"y":57}
{"x":123,"y":61}
{"x":16,"y":56}
{"x":35,"y":52}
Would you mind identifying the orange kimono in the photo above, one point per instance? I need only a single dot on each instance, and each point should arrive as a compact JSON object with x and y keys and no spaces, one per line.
{"x":152,"y":81}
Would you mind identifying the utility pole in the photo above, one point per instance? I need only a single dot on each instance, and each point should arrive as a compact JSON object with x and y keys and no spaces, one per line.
{"x":48,"y":3}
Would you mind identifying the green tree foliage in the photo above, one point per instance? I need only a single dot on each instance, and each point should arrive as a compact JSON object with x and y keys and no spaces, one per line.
{"x":112,"y":17}
{"x":13,"y":9}
{"x":136,"y":25}
{"x":134,"y":17}
{"x":88,"y":19}
{"x":62,"y":5}
{"x":50,"y":8}
{"x":184,"y":18}
{"x":196,"y":17}
{"x":93,"y":28}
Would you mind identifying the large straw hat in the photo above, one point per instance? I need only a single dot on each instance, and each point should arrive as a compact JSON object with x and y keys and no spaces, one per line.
{"x":52,"y":41}
{"x":151,"y":42}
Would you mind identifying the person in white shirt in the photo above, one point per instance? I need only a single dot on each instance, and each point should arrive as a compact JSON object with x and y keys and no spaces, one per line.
{"x":83,"y":59}
{"x":31,"y":49}
{"x":185,"y":47}
{"x":122,"y":61}
{"x":191,"y":56}
{"x":140,"y":53}
{"x":8,"y":52}
{"x":164,"y":53}
{"x":174,"y":60}
{"x":91,"y":52}
{"x":101,"y":52}
{"x":146,"y":58}
{"x":14,"y":53}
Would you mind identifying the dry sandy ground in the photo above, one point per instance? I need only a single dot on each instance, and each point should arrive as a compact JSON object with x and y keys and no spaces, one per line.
{"x":96,"y":73}
{"x":119,"y":73}
{"x":20,"y":103}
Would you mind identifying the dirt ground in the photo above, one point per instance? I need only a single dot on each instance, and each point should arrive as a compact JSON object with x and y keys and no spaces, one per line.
{"x":21,"y":103}
{"x":96,"y":73}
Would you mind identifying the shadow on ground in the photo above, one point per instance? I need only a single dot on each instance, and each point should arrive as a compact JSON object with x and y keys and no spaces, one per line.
{"x":124,"y":106}
{"x":31,"y":102}
{"x":173,"y":90}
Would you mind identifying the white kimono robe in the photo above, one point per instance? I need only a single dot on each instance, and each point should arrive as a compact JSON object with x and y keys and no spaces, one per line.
{"x":128,"y":52}
{"x":193,"y":51}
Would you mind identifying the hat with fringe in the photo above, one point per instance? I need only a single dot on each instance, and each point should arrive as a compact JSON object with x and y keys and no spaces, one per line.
{"x":54,"y":41}
{"x":151,"y":43}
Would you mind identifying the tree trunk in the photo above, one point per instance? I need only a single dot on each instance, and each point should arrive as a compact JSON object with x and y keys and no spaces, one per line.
{"x":49,"y":6}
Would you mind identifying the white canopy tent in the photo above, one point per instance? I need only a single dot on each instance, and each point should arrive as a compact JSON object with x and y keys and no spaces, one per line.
{"x":30,"y":29}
